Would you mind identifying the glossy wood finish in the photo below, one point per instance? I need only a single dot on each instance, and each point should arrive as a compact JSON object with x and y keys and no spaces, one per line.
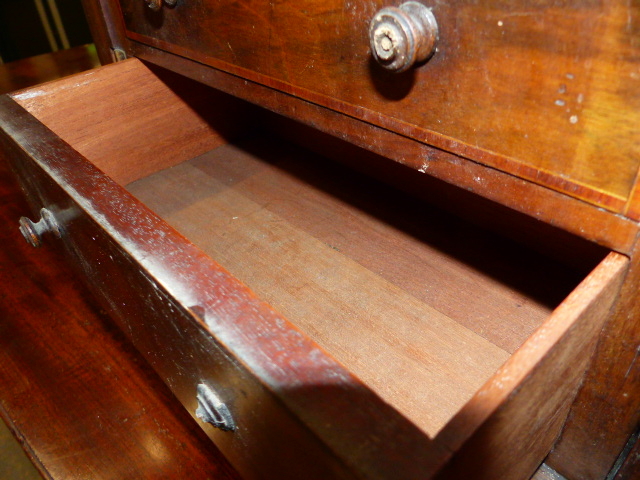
{"x":80,"y":399}
{"x":562,"y":211}
{"x":109,"y":231}
{"x":188,"y":291}
{"x":511,"y":86}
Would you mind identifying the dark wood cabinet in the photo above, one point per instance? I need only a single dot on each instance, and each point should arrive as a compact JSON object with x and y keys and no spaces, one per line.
{"x":355,"y":273}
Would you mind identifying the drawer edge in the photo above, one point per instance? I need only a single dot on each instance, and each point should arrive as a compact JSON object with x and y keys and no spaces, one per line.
{"x":361,"y":430}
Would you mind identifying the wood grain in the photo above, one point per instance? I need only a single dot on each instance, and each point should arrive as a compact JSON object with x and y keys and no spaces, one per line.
{"x":357,"y":430}
{"x":142,"y":123}
{"x":511,"y":86}
{"x":561,"y":211}
{"x":185,"y":282}
{"x":607,"y":408}
{"x":230,"y":204}
{"x":539,"y":399}
{"x":79,"y":398}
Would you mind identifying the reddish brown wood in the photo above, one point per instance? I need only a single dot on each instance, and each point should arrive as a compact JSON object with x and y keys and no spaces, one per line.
{"x":43,"y":68}
{"x":80,"y":399}
{"x":510,"y":86}
{"x":562,"y":211}
{"x":607,"y":408}
{"x":143,"y":124}
{"x":108,"y":232}
{"x":527,"y":395}
{"x":303,"y":391}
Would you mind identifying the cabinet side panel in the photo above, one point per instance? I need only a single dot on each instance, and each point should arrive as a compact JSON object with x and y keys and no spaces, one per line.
{"x":607,"y":408}
{"x":544,"y":394}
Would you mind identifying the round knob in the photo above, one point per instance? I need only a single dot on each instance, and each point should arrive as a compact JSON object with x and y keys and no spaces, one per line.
{"x":403,"y":36}
{"x":154,"y":5}
{"x":32,"y":232}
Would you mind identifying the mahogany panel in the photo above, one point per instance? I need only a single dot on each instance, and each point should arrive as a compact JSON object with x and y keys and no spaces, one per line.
{"x":538,"y":399}
{"x":303,"y":395}
{"x":562,"y":211}
{"x":607,"y":408}
{"x":81,"y":401}
{"x":141,"y":124}
{"x":512,"y":85}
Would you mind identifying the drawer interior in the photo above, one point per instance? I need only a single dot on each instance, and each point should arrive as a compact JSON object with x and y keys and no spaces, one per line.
{"x":421,"y":305}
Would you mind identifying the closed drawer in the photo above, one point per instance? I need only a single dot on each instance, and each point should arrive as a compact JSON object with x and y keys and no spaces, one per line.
{"x":545,"y":92}
{"x":349,"y":330}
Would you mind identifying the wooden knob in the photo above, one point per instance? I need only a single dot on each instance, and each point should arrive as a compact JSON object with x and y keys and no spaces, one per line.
{"x":404,"y":36}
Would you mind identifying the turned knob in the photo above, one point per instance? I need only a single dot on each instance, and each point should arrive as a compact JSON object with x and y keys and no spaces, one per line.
{"x":32,"y":232}
{"x":404,"y":36}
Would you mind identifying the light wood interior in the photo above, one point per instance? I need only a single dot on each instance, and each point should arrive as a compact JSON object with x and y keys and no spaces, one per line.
{"x":421,"y":306}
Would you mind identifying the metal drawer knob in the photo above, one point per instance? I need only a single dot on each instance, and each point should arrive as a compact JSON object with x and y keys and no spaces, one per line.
{"x":156,"y":5}
{"x":404,"y":36}
{"x":213,"y":410}
{"x":32,"y":232}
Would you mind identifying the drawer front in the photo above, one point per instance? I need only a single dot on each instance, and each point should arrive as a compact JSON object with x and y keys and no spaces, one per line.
{"x":548,"y":92}
{"x":297,"y":412}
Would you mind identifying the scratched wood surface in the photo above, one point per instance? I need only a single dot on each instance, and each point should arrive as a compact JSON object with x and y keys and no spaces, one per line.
{"x":79,"y":398}
{"x":512,"y":85}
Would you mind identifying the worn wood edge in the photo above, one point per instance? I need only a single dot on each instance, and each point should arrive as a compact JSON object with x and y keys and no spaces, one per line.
{"x":539,"y":350}
{"x":197,"y":282}
{"x":595,"y":224}
{"x":608,"y":201}
{"x":607,"y":407}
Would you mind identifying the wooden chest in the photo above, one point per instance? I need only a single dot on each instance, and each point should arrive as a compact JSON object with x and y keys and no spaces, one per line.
{"x":347,"y":272}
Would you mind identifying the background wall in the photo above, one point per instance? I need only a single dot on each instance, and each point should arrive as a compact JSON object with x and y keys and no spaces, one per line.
{"x":33,"y":27}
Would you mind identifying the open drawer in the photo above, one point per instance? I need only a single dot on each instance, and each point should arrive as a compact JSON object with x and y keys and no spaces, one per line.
{"x":327,"y":325}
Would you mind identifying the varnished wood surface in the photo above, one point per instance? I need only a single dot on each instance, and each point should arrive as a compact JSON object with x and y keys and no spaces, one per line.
{"x":328,"y":411}
{"x":46,"y":67}
{"x":590,"y":442}
{"x":79,"y":398}
{"x":561,"y":211}
{"x":112,"y":232}
{"x":512,"y":85}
